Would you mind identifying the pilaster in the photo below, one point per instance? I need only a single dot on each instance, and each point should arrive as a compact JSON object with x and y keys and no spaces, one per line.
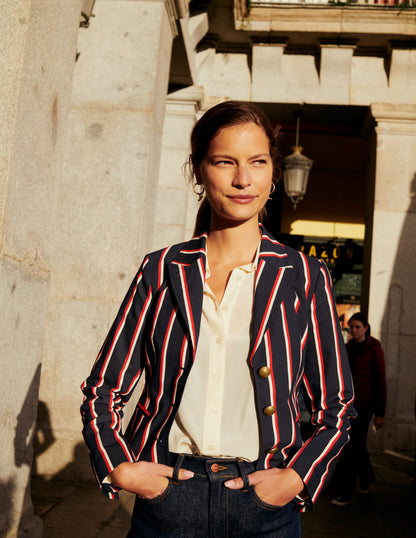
{"x":106,"y":201}
{"x":177,"y":204}
{"x":392,"y":293}
{"x":34,"y":98}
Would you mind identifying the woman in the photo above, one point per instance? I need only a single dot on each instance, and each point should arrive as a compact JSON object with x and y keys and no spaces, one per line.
{"x":226,"y":328}
{"x":366,"y":359}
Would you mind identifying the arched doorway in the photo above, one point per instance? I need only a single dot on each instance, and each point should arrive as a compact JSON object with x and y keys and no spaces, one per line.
{"x":329,"y":223}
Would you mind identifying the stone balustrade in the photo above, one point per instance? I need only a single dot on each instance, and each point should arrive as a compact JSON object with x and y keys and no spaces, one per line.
{"x":344,"y":3}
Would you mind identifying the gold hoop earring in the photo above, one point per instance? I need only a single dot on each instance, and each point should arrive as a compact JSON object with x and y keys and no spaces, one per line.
{"x":200,"y":194}
{"x":272,"y":191}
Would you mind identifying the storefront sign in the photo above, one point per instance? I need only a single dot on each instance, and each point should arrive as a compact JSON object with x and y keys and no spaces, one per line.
{"x":344,"y":258}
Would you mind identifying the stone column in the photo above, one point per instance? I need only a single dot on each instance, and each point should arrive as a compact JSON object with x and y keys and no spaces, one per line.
{"x":392,"y":291}
{"x":106,"y":204}
{"x":38,"y":45}
{"x":177,"y":204}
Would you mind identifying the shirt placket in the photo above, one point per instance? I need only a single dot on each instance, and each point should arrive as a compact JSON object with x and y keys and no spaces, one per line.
{"x":215,"y":381}
{"x":220,"y":316}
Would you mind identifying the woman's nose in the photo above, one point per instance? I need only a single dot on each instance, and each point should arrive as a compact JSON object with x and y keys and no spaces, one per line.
{"x":241,"y":177}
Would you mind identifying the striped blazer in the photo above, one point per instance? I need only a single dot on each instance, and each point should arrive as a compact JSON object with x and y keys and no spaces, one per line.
{"x":294,"y":333}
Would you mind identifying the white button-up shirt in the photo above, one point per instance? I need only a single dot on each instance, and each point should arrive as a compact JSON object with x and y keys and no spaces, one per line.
{"x":217,"y":415}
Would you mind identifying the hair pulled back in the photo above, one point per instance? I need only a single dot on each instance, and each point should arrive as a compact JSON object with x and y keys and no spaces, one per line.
{"x":362,"y":318}
{"x":226,"y":114}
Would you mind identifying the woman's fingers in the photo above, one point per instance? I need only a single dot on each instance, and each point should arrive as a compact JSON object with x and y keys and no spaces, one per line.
{"x":158,"y":468}
{"x":165,"y":470}
{"x":146,"y":479}
{"x":253,"y":479}
{"x":235,"y":483}
{"x":274,"y":486}
{"x":185,"y":474}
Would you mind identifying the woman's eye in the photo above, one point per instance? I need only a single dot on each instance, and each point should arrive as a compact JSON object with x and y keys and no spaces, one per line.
{"x":222,"y":163}
{"x":260,"y":162}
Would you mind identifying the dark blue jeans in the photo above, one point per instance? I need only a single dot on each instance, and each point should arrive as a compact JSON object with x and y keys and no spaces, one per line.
{"x":202,"y":507}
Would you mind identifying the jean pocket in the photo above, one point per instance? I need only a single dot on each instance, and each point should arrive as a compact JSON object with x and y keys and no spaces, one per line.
{"x":159,"y":497}
{"x":260,"y":501}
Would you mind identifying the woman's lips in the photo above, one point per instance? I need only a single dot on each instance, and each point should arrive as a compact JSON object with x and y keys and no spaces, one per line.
{"x":242,"y":198}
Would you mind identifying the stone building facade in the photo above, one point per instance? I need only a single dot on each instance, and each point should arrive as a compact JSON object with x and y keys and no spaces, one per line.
{"x":94,"y":127}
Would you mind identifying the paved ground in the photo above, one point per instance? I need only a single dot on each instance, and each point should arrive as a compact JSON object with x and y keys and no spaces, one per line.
{"x":79,"y":511}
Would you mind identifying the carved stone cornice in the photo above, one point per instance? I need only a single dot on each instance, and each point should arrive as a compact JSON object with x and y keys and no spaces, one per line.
{"x":396,"y":119}
{"x":177,"y":9}
{"x":358,"y":19}
{"x":182,"y":8}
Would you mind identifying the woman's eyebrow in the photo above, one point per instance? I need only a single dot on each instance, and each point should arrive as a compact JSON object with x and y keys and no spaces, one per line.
{"x":226,"y":156}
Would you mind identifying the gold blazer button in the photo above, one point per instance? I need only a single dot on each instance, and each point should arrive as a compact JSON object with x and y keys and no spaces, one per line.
{"x":269,"y":410}
{"x":264,"y":371}
{"x":272,"y":450}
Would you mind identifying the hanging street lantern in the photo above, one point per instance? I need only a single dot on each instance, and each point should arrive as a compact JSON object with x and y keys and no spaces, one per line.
{"x":296,"y":168}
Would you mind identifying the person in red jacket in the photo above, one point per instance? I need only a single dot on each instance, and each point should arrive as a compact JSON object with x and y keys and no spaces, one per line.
{"x":366,"y":359}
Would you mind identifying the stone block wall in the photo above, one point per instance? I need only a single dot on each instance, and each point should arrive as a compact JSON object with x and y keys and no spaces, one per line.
{"x":106,"y":205}
{"x":34,"y":99}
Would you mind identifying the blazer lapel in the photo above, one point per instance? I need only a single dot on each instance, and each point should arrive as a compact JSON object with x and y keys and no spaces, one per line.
{"x":273,"y":276}
{"x":187,"y":278}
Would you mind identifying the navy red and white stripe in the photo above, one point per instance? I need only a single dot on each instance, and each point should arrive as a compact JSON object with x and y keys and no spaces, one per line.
{"x":295,"y":333}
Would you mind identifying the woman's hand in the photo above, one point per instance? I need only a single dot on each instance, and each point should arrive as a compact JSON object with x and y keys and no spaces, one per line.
{"x":274,"y":486}
{"x":144,"y":478}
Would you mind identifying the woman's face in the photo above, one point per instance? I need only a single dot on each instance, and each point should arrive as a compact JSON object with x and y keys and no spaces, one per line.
{"x":237,"y":173}
{"x":357,"y":330}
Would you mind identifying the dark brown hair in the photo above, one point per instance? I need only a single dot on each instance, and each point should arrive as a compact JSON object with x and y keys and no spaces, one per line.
{"x":216,"y":118}
{"x":362,"y":318}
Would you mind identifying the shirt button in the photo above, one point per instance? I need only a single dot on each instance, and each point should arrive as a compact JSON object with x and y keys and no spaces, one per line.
{"x":264,"y":371}
{"x":225,"y":308}
{"x":269,"y":410}
{"x":214,"y":373}
{"x":210,"y":447}
{"x":238,"y":278}
{"x":218,"y":340}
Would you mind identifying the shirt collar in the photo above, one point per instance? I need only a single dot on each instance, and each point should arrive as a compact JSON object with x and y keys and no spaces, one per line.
{"x":247,"y":268}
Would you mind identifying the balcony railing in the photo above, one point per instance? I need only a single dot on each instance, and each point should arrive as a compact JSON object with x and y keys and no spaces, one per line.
{"x":346,"y":3}
{"x":283,"y":18}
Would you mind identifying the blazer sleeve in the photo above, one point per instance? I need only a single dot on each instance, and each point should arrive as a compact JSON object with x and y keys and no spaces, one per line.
{"x":112,"y":380}
{"x":328,"y":383}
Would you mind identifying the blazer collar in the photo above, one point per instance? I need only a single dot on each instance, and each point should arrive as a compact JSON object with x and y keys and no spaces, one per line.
{"x":273,"y":275}
{"x":273,"y":285}
{"x":187,"y":278}
{"x":271,"y":251}
{"x":192,"y":251}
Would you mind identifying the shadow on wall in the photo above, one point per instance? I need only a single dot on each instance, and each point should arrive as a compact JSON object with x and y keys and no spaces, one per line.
{"x":71,"y":494}
{"x":6,"y":503}
{"x":44,"y":436}
{"x":26,"y":419}
{"x":78,"y":470}
{"x":399,"y":338}
{"x":23,"y":453}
